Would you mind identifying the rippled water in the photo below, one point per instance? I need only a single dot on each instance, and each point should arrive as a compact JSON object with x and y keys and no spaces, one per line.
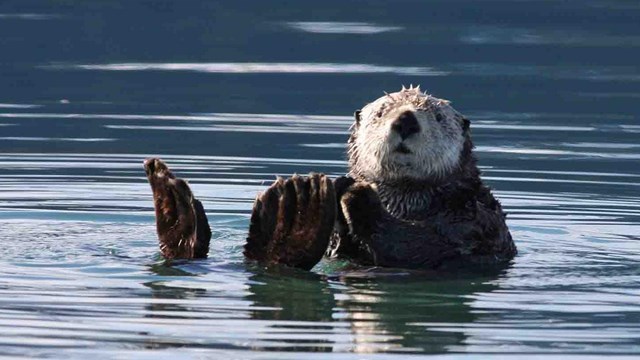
{"x":232,"y":94}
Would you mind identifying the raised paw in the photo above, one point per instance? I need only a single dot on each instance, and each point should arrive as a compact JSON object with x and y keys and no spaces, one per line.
{"x":360,"y":210}
{"x":292,"y":221}
{"x":183,"y":229}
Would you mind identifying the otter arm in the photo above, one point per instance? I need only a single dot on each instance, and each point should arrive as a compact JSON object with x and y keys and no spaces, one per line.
{"x":183,"y":229}
{"x":371,"y":236}
{"x":292,"y":221}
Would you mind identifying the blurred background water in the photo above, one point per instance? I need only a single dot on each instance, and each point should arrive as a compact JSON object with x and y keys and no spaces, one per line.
{"x":231,"y":93}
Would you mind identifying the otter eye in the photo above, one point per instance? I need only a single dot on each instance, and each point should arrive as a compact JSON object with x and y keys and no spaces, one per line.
{"x":439,"y":117}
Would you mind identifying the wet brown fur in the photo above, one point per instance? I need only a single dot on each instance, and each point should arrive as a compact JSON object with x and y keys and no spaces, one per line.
{"x":292,"y":221}
{"x":182,"y":226}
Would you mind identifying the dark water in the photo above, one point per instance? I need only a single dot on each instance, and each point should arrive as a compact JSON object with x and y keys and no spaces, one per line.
{"x":231,"y":94}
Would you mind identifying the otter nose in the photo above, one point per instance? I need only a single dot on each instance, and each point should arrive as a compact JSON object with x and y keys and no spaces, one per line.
{"x":406,"y":125}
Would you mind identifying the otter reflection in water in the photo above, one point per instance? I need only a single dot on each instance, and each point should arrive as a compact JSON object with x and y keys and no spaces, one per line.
{"x":413,"y":198}
{"x":359,"y":310}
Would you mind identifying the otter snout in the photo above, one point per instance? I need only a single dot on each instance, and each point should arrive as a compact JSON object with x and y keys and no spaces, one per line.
{"x":406,"y":125}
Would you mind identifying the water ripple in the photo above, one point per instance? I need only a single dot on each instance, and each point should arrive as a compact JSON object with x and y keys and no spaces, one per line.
{"x":562,"y":37}
{"x":601,"y":74}
{"x":29,"y":16}
{"x":328,"y":27}
{"x":19,"y":106}
{"x":32,"y":138}
{"x":258,"y":68}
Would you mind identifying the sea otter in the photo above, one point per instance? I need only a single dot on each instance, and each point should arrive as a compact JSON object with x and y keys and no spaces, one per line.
{"x":413,"y":198}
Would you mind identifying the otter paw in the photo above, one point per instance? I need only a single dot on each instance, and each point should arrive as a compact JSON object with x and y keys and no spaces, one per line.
{"x":342,"y":184}
{"x":361,"y":208}
{"x":292,"y":221}
{"x":183,"y":229}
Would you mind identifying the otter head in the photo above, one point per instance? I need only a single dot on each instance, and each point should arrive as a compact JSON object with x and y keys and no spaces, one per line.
{"x":408,"y":135}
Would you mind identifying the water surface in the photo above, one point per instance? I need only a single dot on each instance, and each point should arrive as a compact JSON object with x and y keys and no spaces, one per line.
{"x":232,"y":94}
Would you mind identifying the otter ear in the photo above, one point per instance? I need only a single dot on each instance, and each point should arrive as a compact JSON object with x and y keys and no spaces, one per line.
{"x":356,"y":114}
{"x":465,"y":124}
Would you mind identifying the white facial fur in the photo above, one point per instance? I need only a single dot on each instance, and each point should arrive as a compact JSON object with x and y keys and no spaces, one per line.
{"x":433,"y":152}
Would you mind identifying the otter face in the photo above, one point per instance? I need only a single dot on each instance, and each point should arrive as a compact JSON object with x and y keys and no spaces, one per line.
{"x":406,"y":135}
